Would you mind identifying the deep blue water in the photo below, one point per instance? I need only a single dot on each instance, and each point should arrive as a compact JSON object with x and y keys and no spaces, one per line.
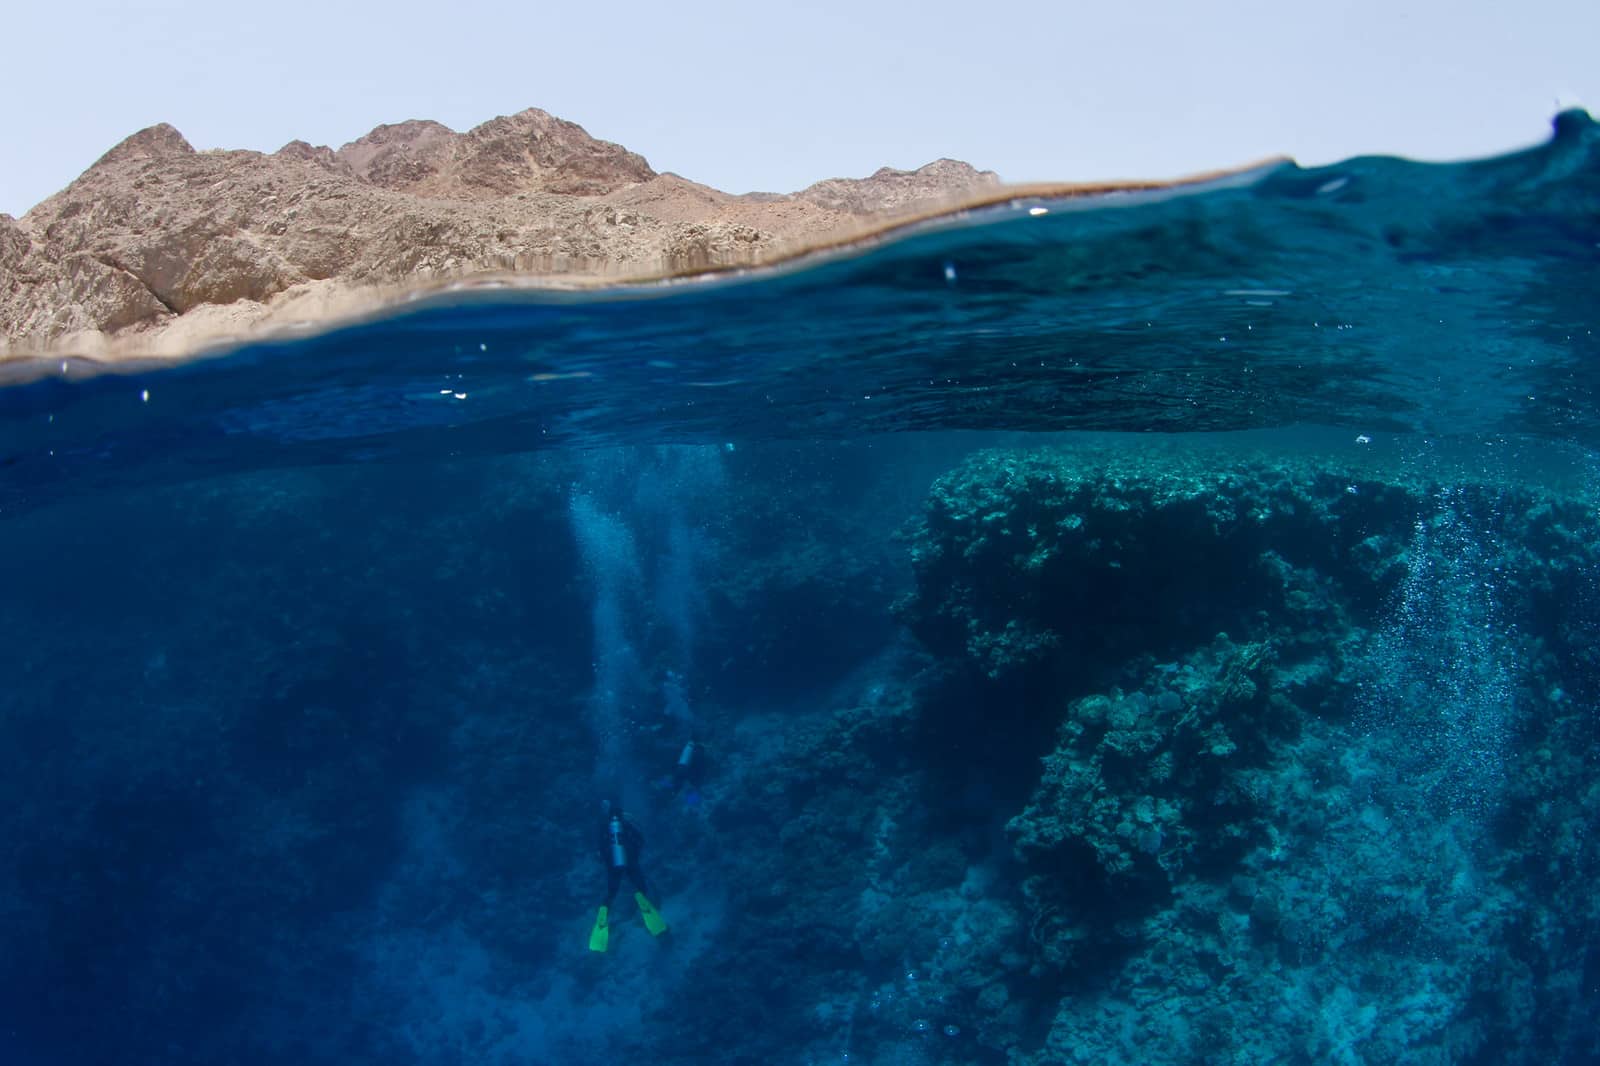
{"x":1147,"y":628}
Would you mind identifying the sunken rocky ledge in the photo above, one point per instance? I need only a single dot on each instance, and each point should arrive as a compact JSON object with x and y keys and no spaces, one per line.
{"x":1271,"y":839}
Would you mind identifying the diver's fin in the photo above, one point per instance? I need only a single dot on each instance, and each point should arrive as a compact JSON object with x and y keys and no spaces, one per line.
{"x":600,"y":935}
{"x":652,"y":917}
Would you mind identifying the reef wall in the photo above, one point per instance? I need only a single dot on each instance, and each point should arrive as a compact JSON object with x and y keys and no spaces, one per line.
{"x":1110,"y":753}
{"x":1320,"y":764}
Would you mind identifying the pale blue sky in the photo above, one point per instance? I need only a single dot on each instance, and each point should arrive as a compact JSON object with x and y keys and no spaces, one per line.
{"x":750,"y":96}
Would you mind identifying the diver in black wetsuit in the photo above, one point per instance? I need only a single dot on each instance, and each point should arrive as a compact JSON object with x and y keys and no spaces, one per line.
{"x":620,"y":846}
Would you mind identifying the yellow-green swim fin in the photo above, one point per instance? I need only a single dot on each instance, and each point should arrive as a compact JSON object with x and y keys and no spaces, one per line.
{"x":652,"y":917}
{"x":600,"y":935}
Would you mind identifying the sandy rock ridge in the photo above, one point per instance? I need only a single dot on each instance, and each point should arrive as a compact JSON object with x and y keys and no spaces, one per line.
{"x":160,"y":249}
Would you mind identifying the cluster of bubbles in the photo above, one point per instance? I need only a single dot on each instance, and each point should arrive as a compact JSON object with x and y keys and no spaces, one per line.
{"x":922,"y":1025}
{"x":611,"y":564}
{"x":909,"y":996}
{"x":1441,"y":670}
{"x":637,"y":520}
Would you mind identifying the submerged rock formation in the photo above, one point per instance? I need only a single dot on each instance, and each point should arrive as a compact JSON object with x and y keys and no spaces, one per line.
{"x":1308,"y":793}
{"x":1296,"y":741}
{"x":157,"y":247}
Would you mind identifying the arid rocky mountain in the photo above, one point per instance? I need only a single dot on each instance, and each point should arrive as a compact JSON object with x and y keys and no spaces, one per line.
{"x":160,"y":249}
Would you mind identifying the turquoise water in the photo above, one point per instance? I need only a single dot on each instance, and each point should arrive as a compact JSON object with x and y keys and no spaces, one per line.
{"x":1148,"y":628}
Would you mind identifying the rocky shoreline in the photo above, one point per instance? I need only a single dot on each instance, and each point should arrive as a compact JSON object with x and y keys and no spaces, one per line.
{"x":159,"y":249}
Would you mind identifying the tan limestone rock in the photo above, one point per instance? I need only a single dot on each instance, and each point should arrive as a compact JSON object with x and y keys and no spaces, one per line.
{"x":890,"y":190}
{"x":160,"y":249}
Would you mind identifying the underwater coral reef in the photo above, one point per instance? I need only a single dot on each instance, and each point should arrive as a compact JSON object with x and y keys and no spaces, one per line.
{"x":1101,"y":751}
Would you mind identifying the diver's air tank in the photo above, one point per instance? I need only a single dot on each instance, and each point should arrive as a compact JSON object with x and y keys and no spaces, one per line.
{"x":686,"y":756}
{"x":619,"y":853}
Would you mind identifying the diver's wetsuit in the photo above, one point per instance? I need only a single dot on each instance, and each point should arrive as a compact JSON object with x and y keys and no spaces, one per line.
{"x":620,"y":845}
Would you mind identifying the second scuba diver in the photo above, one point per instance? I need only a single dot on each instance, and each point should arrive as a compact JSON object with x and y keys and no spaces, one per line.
{"x":620,"y":847}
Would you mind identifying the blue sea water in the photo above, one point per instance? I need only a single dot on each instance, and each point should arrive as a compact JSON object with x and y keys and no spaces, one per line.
{"x":1151,"y":627}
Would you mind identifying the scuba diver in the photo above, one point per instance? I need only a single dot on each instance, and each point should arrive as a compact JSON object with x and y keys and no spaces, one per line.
{"x":620,"y":847}
{"x":684,"y":780}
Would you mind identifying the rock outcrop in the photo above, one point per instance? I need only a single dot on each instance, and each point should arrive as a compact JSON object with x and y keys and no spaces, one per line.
{"x":893,"y":190}
{"x":160,"y":249}
{"x":528,"y":152}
